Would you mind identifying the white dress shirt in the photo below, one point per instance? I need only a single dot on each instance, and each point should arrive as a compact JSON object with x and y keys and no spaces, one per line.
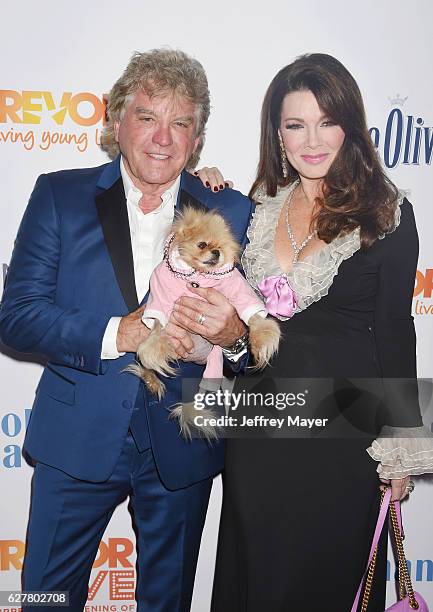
{"x":148,"y":234}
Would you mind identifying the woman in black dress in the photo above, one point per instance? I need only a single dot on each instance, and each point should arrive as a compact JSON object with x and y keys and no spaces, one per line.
{"x":339,"y":247}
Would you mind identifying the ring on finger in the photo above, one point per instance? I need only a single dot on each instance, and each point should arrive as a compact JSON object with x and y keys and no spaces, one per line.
{"x":410,"y":486}
{"x":201,"y":319}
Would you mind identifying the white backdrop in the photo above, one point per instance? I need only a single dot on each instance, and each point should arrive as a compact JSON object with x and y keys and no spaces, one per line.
{"x":66,"y":57}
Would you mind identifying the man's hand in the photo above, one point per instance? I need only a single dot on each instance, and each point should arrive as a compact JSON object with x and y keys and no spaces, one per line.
{"x":132,"y":331}
{"x":221,"y":323}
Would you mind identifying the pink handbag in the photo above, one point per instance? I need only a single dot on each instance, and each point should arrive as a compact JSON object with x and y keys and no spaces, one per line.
{"x":408,"y":598}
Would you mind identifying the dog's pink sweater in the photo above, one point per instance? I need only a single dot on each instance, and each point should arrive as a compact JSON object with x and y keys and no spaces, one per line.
{"x":166,"y":286}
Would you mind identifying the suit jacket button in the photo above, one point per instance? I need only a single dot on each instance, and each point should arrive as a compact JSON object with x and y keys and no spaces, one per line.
{"x":127,"y":405}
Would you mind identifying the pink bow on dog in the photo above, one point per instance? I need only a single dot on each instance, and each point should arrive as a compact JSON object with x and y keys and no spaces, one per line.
{"x":280,"y":297}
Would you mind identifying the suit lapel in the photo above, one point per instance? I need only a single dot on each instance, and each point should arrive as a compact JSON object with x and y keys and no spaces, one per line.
{"x":113,"y":215}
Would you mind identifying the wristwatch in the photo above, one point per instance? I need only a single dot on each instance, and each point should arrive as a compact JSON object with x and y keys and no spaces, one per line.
{"x":237,"y":347}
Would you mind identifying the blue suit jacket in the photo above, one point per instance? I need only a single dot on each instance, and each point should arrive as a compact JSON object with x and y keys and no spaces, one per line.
{"x":71,"y":270}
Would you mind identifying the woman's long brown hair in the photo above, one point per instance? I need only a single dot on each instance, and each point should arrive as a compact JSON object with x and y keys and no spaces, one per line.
{"x":356,"y":191}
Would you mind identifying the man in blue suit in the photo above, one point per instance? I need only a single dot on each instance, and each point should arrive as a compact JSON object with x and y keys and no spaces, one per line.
{"x":77,"y":281}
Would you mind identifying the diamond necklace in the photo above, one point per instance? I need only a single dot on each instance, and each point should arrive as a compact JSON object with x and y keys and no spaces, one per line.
{"x":296,"y":248}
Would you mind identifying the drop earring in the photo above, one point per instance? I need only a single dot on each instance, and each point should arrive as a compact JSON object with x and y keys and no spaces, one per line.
{"x":284,"y":163}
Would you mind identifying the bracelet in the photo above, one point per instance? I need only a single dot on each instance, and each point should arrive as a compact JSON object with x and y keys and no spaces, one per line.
{"x":238,"y":346}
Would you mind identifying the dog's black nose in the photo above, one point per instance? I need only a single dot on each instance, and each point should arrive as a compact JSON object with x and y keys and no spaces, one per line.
{"x":215,"y":253}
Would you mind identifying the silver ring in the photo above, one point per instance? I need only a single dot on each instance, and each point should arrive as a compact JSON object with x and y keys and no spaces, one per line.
{"x":410,"y":487}
{"x":201,"y":319}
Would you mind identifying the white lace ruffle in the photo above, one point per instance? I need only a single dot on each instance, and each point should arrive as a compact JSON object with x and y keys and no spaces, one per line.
{"x":310,"y":278}
{"x":403,"y":451}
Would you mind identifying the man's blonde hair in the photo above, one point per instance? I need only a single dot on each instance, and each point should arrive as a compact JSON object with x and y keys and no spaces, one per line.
{"x":159,"y":72}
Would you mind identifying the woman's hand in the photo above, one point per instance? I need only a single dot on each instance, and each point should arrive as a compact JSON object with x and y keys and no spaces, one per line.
{"x":220,"y":322}
{"x":399,"y":487}
{"x":212,"y":178}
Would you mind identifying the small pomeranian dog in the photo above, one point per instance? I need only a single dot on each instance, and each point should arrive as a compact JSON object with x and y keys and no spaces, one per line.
{"x":201,"y":250}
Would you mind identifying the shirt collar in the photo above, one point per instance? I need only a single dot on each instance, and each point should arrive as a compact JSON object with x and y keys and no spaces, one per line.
{"x":169,"y":196}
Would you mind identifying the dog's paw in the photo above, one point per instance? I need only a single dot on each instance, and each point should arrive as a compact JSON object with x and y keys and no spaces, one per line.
{"x":154,"y":384}
{"x":156,"y":352}
{"x":264,"y":339}
{"x":136,"y":369}
{"x":149,"y":378}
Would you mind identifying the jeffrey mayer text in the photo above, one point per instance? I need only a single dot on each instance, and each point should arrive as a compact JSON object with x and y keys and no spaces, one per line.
{"x":259,"y":421}
{"x":290,"y":421}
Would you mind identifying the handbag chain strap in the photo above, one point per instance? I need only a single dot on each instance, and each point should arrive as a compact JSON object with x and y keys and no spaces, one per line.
{"x":404,"y":580}
{"x":370,"y":573}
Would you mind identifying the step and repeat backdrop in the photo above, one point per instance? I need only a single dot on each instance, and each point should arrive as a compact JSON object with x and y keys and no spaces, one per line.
{"x":59,"y":62}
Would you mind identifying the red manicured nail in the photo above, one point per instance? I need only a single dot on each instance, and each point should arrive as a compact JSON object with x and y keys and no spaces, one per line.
{"x":207,"y":184}
{"x":215,"y":188}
